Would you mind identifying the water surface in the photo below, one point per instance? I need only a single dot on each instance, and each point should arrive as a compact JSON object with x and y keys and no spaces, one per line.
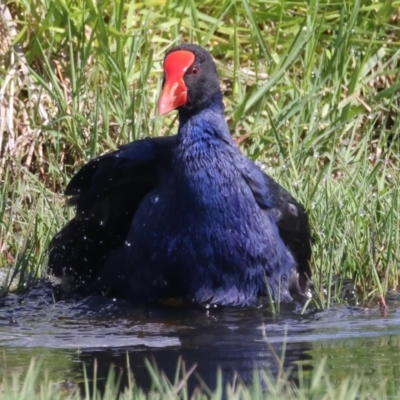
{"x":66,"y":335}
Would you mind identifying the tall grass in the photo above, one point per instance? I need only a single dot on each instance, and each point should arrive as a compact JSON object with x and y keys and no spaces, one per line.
{"x":317,"y":386}
{"x":311,"y":89}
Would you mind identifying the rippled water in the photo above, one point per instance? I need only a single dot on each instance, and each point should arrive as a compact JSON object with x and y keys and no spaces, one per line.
{"x":67,"y":334}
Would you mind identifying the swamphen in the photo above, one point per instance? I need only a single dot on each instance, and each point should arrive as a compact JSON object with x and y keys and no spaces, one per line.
{"x":186,"y":216}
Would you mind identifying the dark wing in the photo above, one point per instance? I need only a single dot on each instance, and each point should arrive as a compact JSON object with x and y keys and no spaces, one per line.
{"x":106,"y":193}
{"x":289,"y":214}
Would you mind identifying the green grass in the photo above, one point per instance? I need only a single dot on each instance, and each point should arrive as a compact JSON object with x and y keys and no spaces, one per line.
{"x":311,"y":89}
{"x":318,"y":385}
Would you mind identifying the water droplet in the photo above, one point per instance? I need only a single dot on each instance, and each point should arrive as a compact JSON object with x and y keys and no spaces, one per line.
{"x":154,"y":199}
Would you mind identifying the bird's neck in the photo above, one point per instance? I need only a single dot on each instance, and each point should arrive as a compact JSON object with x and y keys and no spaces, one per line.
{"x":204,"y":156}
{"x":204,"y":159}
{"x":205,"y":126}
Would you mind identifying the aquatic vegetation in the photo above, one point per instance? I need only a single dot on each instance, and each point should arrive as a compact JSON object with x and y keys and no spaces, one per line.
{"x":318,"y":385}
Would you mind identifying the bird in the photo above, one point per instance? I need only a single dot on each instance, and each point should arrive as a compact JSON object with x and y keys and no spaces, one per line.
{"x":187,"y":216}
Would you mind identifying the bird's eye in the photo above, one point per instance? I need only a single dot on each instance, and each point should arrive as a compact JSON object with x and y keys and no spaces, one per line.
{"x":195,"y":70}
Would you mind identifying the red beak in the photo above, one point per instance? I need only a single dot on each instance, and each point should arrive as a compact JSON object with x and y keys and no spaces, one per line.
{"x":174,"y":92}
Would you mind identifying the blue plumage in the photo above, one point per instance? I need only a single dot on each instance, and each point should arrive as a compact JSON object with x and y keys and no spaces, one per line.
{"x":187,"y":216}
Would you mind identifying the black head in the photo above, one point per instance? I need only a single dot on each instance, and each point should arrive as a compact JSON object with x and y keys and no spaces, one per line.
{"x":190,"y":82}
